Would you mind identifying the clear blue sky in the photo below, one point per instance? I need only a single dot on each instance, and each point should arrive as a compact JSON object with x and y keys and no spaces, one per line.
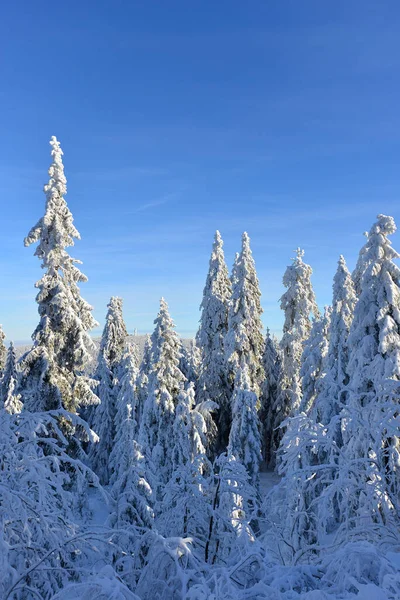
{"x":180,"y":117}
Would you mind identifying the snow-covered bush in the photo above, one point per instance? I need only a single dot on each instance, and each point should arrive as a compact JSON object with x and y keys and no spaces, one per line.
{"x":42,"y":547}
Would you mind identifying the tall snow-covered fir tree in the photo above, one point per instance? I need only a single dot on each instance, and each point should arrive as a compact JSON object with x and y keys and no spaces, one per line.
{"x":315,"y":350}
{"x":53,"y":370}
{"x":114,"y":335}
{"x":3,"y":350}
{"x":331,"y":393}
{"x":165,"y":381}
{"x":244,"y":437}
{"x":10,"y":398}
{"x":185,"y":506}
{"x":143,"y":378}
{"x":299,"y":305}
{"x":127,"y":399}
{"x":269,"y":391}
{"x":108,"y":374}
{"x":132,"y":492}
{"x":362,"y":263}
{"x":294,"y":503}
{"x":189,"y":429}
{"x":10,"y":370}
{"x":189,"y":363}
{"x":372,"y":408}
{"x":233,"y":506}
{"x":213,"y":383}
{"x":351,"y":475}
{"x":244,"y":342}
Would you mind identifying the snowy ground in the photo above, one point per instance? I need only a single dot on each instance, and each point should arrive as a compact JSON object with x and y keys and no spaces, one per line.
{"x":101,"y":506}
{"x":268,"y":480}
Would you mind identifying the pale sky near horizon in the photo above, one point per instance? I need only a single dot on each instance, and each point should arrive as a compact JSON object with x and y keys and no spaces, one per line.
{"x":183,"y":117}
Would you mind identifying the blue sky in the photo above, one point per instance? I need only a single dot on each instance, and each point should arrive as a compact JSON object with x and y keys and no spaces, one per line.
{"x":180,"y":117}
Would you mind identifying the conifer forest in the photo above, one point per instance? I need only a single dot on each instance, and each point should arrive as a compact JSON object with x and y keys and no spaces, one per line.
{"x":234,"y":466}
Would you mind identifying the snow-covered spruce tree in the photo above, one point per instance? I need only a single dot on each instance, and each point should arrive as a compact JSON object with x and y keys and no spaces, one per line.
{"x":362,"y":263}
{"x":108,"y":374}
{"x":165,"y":381}
{"x":9,"y":396}
{"x":103,"y":424}
{"x":298,"y":304}
{"x":232,"y":509}
{"x":133,"y":514}
{"x":213,"y":384}
{"x":244,"y":342}
{"x":331,"y":392}
{"x":190,"y":361}
{"x":269,"y":389}
{"x":53,"y":369}
{"x":370,"y":417}
{"x":360,"y":472}
{"x":189,"y":429}
{"x":315,"y":350}
{"x":114,"y":336}
{"x":244,"y":437}
{"x":185,"y":505}
{"x":12,"y":400}
{"x":291,"y":508}
{"x":126,"y":400}
{"x":143,"y":378}
{"x":132,"y":493}
{"x":3,"y":350}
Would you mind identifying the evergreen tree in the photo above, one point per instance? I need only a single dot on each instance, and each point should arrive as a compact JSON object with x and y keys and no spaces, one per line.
{"x":53,"y":369}
{"x":143,"y":378}
{"x":165,"y":380}
{"x":3,"y":351}
{"x":315,"y":350}
{"x":190,"y":430}
{"x":353,"y":481}
{"x":232,"y":508}
{"x":244,"y":341}
{"x":12,"y":400}
{"x":131,"y":490}
{"x":269,"y":391}
{"x":213,"y":384}
{"x":9,"y":372}
{"x":244,"y":438}
{"x":184,"y":509}
{"x":107,"y":374}
{"x":114,"y":336}
{"x":371,"y":414}
{"x":127,"y":401}
{"x":360,"y":267}
{"x":189,"y":363}
{"x":298,"y":304}
{"x":294,"y":504}
{"x":331,"y":394}
{"x":185,"y":506}
{"x":207,"y":410}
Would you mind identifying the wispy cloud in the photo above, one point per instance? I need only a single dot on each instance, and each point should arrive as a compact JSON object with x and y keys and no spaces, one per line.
{"x":153,"y":203}
{"x":123,"y":173}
